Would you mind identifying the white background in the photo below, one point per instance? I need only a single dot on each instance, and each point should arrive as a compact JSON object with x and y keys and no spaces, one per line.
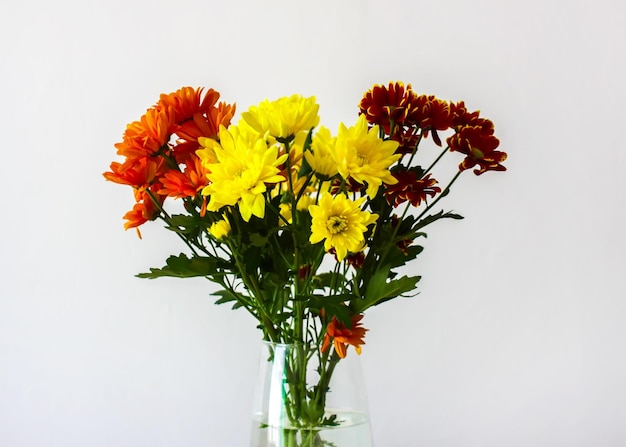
{"x":517,"y":336}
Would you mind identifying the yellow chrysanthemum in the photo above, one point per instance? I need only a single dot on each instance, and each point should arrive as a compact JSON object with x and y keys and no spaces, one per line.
{"x":320,"y":157}
{"x":284,"y":117}
{"x":303,"y":204}
{"x":361,"y":155}
{"x":242,"y":171}
{"x":285,"y":212}
{"x":220,"y":229}
{"x":341,"y":223}
{"x":207,"y":153}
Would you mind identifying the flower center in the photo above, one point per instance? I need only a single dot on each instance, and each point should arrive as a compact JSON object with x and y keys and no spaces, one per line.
{"x":336,"y":224}
{"x":361,"y":160}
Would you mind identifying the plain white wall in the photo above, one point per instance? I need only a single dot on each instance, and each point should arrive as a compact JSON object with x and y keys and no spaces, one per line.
{"x":517,"y":335}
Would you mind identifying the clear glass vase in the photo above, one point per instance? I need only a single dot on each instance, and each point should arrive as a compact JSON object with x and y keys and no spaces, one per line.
{"x":308,"y":398}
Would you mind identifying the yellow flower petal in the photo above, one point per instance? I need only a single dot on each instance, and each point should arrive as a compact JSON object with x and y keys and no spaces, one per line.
{"x":340,"y":223}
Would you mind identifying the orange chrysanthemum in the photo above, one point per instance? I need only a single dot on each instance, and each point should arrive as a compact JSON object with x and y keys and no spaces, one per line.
{"x":201,"y":125}
{"x":187,"y":101}
{"x":154,"y":161}
{"x":146,"y":137}
{"x":196,"y":116}
{"x":143,"y":211}
{"x":479,"y":146}
{"x":138,"y":173}
{"x":343,"y":336}
{"x":187,"y":183}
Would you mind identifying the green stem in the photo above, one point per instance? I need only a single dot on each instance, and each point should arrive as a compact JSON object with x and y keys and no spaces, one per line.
{"x":443,"y":193}
{"x":432,"y":165}
{"x":253,"y":286}
{"x":414,"y":152}
{"x":164,"y":216}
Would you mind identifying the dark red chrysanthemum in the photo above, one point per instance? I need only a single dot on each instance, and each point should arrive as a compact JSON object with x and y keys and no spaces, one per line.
{"x":404,"y":244}
{"x":430,"y":114}
{"x":411,"y":187}
{"x":407,"y":139}
{"x":356,"y":260}
{"x":479,"y":147}
{"x":383,"y":105}
{"x":437,"y":118}
{"x":461,"y":117}
{"x":305,"y":271}
{"x":408,"y":111}
{"x":349,"y":185}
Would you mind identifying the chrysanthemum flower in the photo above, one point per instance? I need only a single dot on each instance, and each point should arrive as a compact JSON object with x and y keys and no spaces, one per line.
{"x":478,"y":144}
{"x":243,"y":169}
{"x":286,"y":210}
{"x":220,"y":229}
{"x":355,"y":260}
{"x":342,"y":336}
{"x":187,"y":183}
{"x":143,"y":211}
{"x":434,"y":116}
{"x":206,"y":152}
{"x":407,"y":139}
{"x":148,"y":135}
{"x":461,"y":117}
{"x":403,"y":245}
{"x":135,"y":218}
{"x":320,"y":157}
{"x":292,"y":168}
{"x":138,"y":173}
{"x":385,"y":104}
{"x":411,"y":187}
{"x":361,"y":155}
{"x":187,"y":101}
{"x":284,"y":117}
{"x":195,"y":116}
{"x":205,"y":124}
{"x":340,"y":223}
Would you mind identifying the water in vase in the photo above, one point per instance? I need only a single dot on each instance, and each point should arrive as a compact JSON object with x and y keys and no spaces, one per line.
{"x":352,"y":430}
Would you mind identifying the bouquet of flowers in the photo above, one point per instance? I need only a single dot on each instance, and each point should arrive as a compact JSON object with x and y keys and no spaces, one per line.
{"x":304,"y":228}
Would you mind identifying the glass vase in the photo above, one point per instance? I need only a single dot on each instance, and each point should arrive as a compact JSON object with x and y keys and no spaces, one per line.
{"x":308,"y":398}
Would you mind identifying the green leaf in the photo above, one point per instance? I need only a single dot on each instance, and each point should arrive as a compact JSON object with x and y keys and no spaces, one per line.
{"x":226,"y":296}
{"x":258,"y":240}
{"x":182,"y":266}
{"x":378,"y":288}
{"x":305,"y":168}
{"x":398,"y":258}
{"x":334,"y":306}
{"x":186,"y":225}
{"x":434,"y":217}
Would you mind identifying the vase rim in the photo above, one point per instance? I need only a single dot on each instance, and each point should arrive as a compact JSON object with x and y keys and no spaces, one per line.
{"x":281,"y":344}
